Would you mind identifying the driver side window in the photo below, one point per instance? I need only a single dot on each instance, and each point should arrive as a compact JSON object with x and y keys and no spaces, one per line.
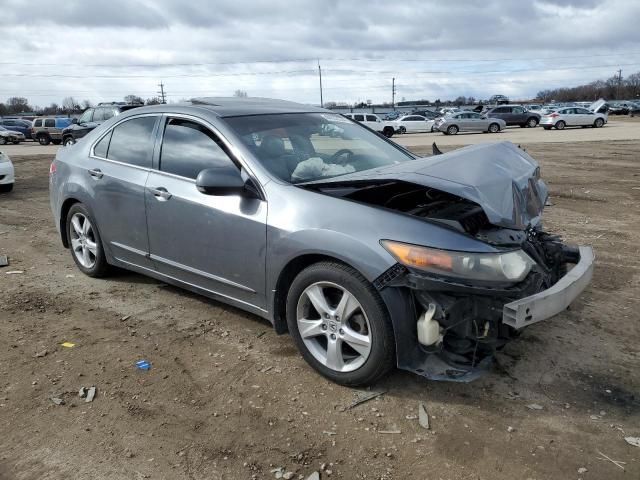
{"x":188,"y":148}
{"x":86,"y":116}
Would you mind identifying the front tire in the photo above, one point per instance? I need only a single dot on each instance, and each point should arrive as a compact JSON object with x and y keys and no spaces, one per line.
{"x":388,"y":132}
{"x":68,"y":141}
{"x":85,"y":243}
{"x":340,"y":324}
{"x":532,"y":123}
{"x":494,"y":128}
{"x":3,"y":141}
{"x":598,"y":123}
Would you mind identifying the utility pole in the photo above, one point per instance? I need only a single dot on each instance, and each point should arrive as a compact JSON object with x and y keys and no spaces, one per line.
{"x":393,"y":93}
{"x":320,"y":75}
{"x":161,"y":92}
{"x":619,"y":84}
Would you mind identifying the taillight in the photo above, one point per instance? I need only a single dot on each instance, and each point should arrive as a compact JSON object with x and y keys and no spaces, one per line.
{"x":52,"y":168}
{"x":553,"y":115}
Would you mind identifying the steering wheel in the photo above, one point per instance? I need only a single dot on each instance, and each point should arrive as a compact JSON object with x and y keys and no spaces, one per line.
{"x":343,"y":151}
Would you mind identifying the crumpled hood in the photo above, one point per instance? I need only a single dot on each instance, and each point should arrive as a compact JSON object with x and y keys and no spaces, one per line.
{"x":500,"y":177}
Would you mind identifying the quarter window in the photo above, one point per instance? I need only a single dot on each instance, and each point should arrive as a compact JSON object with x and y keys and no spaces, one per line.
{"x":372,"y":118}
{"x":37,"y":123}
{"x":100,"y":150}
{"x":49,"y":122}
{"x":132,"y":142}
{"x":188,"y":148}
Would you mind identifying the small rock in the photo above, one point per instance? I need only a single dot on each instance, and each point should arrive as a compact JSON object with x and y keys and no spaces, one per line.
{"x":510,"y":429}
{"x":594,"y":417}
{"x":635,"y":441}
{"x":423,"y":416}
{"x":288,"y":475}
{"x":91,"y":393}
{"x":534,"y":406}
{"x":314,"y":476}
{"x":41,"y":354}
{"x":82,"y":392}
{"x":582,"y":470}
{"x":57,"y":400}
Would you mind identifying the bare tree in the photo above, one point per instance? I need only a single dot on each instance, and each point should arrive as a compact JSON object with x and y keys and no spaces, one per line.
{"x":86,"y":104}
{"x":133,"y":99}
{"x":153,"y":101}
{"x":18,"y":105}
{"x":70,"y":105}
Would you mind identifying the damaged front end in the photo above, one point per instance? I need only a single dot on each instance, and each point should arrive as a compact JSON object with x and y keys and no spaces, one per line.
{"x":461,"y":307}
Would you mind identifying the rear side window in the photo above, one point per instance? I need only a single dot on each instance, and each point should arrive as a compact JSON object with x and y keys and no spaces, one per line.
{"x":188,"y":148}
{"x":37,"y":123}
{"x":50,"y":122}
{"x":100,"y":150}
{"x":359,"y":118}
{"x":132,"y":142}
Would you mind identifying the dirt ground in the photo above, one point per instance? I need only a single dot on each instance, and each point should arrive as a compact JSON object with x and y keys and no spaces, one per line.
{"x":226,"y":398}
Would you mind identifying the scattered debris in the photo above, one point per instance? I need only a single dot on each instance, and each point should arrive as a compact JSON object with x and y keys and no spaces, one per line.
{"x":57,"y":400}
{"x":67,"y":345}
{"x":14,"y":272}
{"x":125,"y":318}
{"x":4,"y":260}
{"x":365,"y":398}
{"x":314,"y":476}
{"x":423,"y":416}
{"x":582,"y":470}
{"x":91,"y":394}
{"x":261,"y":334}
{"x":70,"y":275}
{"x":617,"y":463}
{"x":510,"y":429}
{"x":41,"y":354}
{"x":288,"y":475}
{"x":82,"y":392}
{"x":143,"y":365}
{"x":535,"y":406}
{"x":329,"y":433}
{"x":635,"y":441}
{"x":390,"y":432}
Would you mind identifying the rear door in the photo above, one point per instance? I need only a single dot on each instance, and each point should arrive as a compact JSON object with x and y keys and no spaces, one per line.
{"x":214,"y":242}
{"x":518,"y":116}
{"x":570,"y":117}
{"x":475,"y":121}
{"x":117,"y":171}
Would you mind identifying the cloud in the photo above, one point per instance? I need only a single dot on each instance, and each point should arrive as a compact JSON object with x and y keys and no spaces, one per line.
{"x":432,"y":48}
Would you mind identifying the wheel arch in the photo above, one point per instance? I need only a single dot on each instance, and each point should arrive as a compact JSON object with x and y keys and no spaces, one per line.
{"x":64,"y":212}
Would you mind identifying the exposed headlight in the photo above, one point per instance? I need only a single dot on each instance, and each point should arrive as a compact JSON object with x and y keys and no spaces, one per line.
{"x":510,"y":266}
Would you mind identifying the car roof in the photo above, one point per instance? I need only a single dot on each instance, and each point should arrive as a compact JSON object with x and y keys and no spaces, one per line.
{"x":233,"y":106}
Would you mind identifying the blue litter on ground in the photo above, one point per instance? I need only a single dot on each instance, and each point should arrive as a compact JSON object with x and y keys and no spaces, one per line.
{"x":143,"y":365}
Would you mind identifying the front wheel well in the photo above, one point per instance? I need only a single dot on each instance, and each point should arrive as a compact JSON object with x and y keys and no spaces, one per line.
{"x":287,"y":275}
{"x":64,"y":211}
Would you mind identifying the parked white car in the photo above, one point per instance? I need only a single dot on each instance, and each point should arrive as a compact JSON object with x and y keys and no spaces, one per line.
{"x":572,"y":117}
{"x":372,"y":121}
{"x":6,"y":173}
{"x":413,"y":124}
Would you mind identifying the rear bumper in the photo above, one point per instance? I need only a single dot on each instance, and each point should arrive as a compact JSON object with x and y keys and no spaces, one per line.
{"x":550,"y":302}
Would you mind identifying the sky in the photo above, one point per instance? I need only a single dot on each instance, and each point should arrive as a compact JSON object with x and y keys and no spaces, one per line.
{"x":104,"y":50}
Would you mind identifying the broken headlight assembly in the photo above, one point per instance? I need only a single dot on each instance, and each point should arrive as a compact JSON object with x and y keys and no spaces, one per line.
{"x":512,"y":266}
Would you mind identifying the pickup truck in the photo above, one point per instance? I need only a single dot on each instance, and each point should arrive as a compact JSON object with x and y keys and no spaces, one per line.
{"x":373,"y":122}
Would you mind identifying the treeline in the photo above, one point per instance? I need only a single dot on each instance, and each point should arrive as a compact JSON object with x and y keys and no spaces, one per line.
{"x":69,"y":105}
{"x":613,"y":88}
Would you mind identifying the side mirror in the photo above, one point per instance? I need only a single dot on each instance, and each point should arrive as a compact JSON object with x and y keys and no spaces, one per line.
{"x":74,"y":120}
{"x":221,"y":181}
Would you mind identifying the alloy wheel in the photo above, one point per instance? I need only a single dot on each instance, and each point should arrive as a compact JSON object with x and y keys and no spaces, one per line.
{"x":83,"y":240}
{"x":334,"y":326}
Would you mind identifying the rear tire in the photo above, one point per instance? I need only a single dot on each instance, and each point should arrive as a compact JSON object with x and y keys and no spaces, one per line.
{"x":85,"y":243}
{"x":367,"y":325}
{"x":402,"y":130}
{"x":560,"y":125}
{"x":3,"y":141}
{"x":452,"y":130}
{"x":532,"y":122}
{"x":44,"y":140}
{"x":387,"y":132}
{"x":68,"y":141}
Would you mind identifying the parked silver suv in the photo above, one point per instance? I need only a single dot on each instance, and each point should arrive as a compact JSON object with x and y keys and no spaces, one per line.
{"x":368,"y":255}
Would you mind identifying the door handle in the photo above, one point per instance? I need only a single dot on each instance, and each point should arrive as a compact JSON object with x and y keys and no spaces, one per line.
{"x":96,"y":173}
{"x":160,"y":193}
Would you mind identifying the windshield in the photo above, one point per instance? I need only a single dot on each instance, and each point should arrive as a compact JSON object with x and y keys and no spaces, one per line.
{"x":303,"y":147}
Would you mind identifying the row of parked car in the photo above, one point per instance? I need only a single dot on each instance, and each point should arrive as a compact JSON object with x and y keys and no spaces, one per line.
{"x":451,"y":120}
{"x":57,"y":130}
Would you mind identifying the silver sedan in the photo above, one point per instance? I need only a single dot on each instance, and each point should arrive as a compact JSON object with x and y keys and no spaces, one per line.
{"x":468,"y":122}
